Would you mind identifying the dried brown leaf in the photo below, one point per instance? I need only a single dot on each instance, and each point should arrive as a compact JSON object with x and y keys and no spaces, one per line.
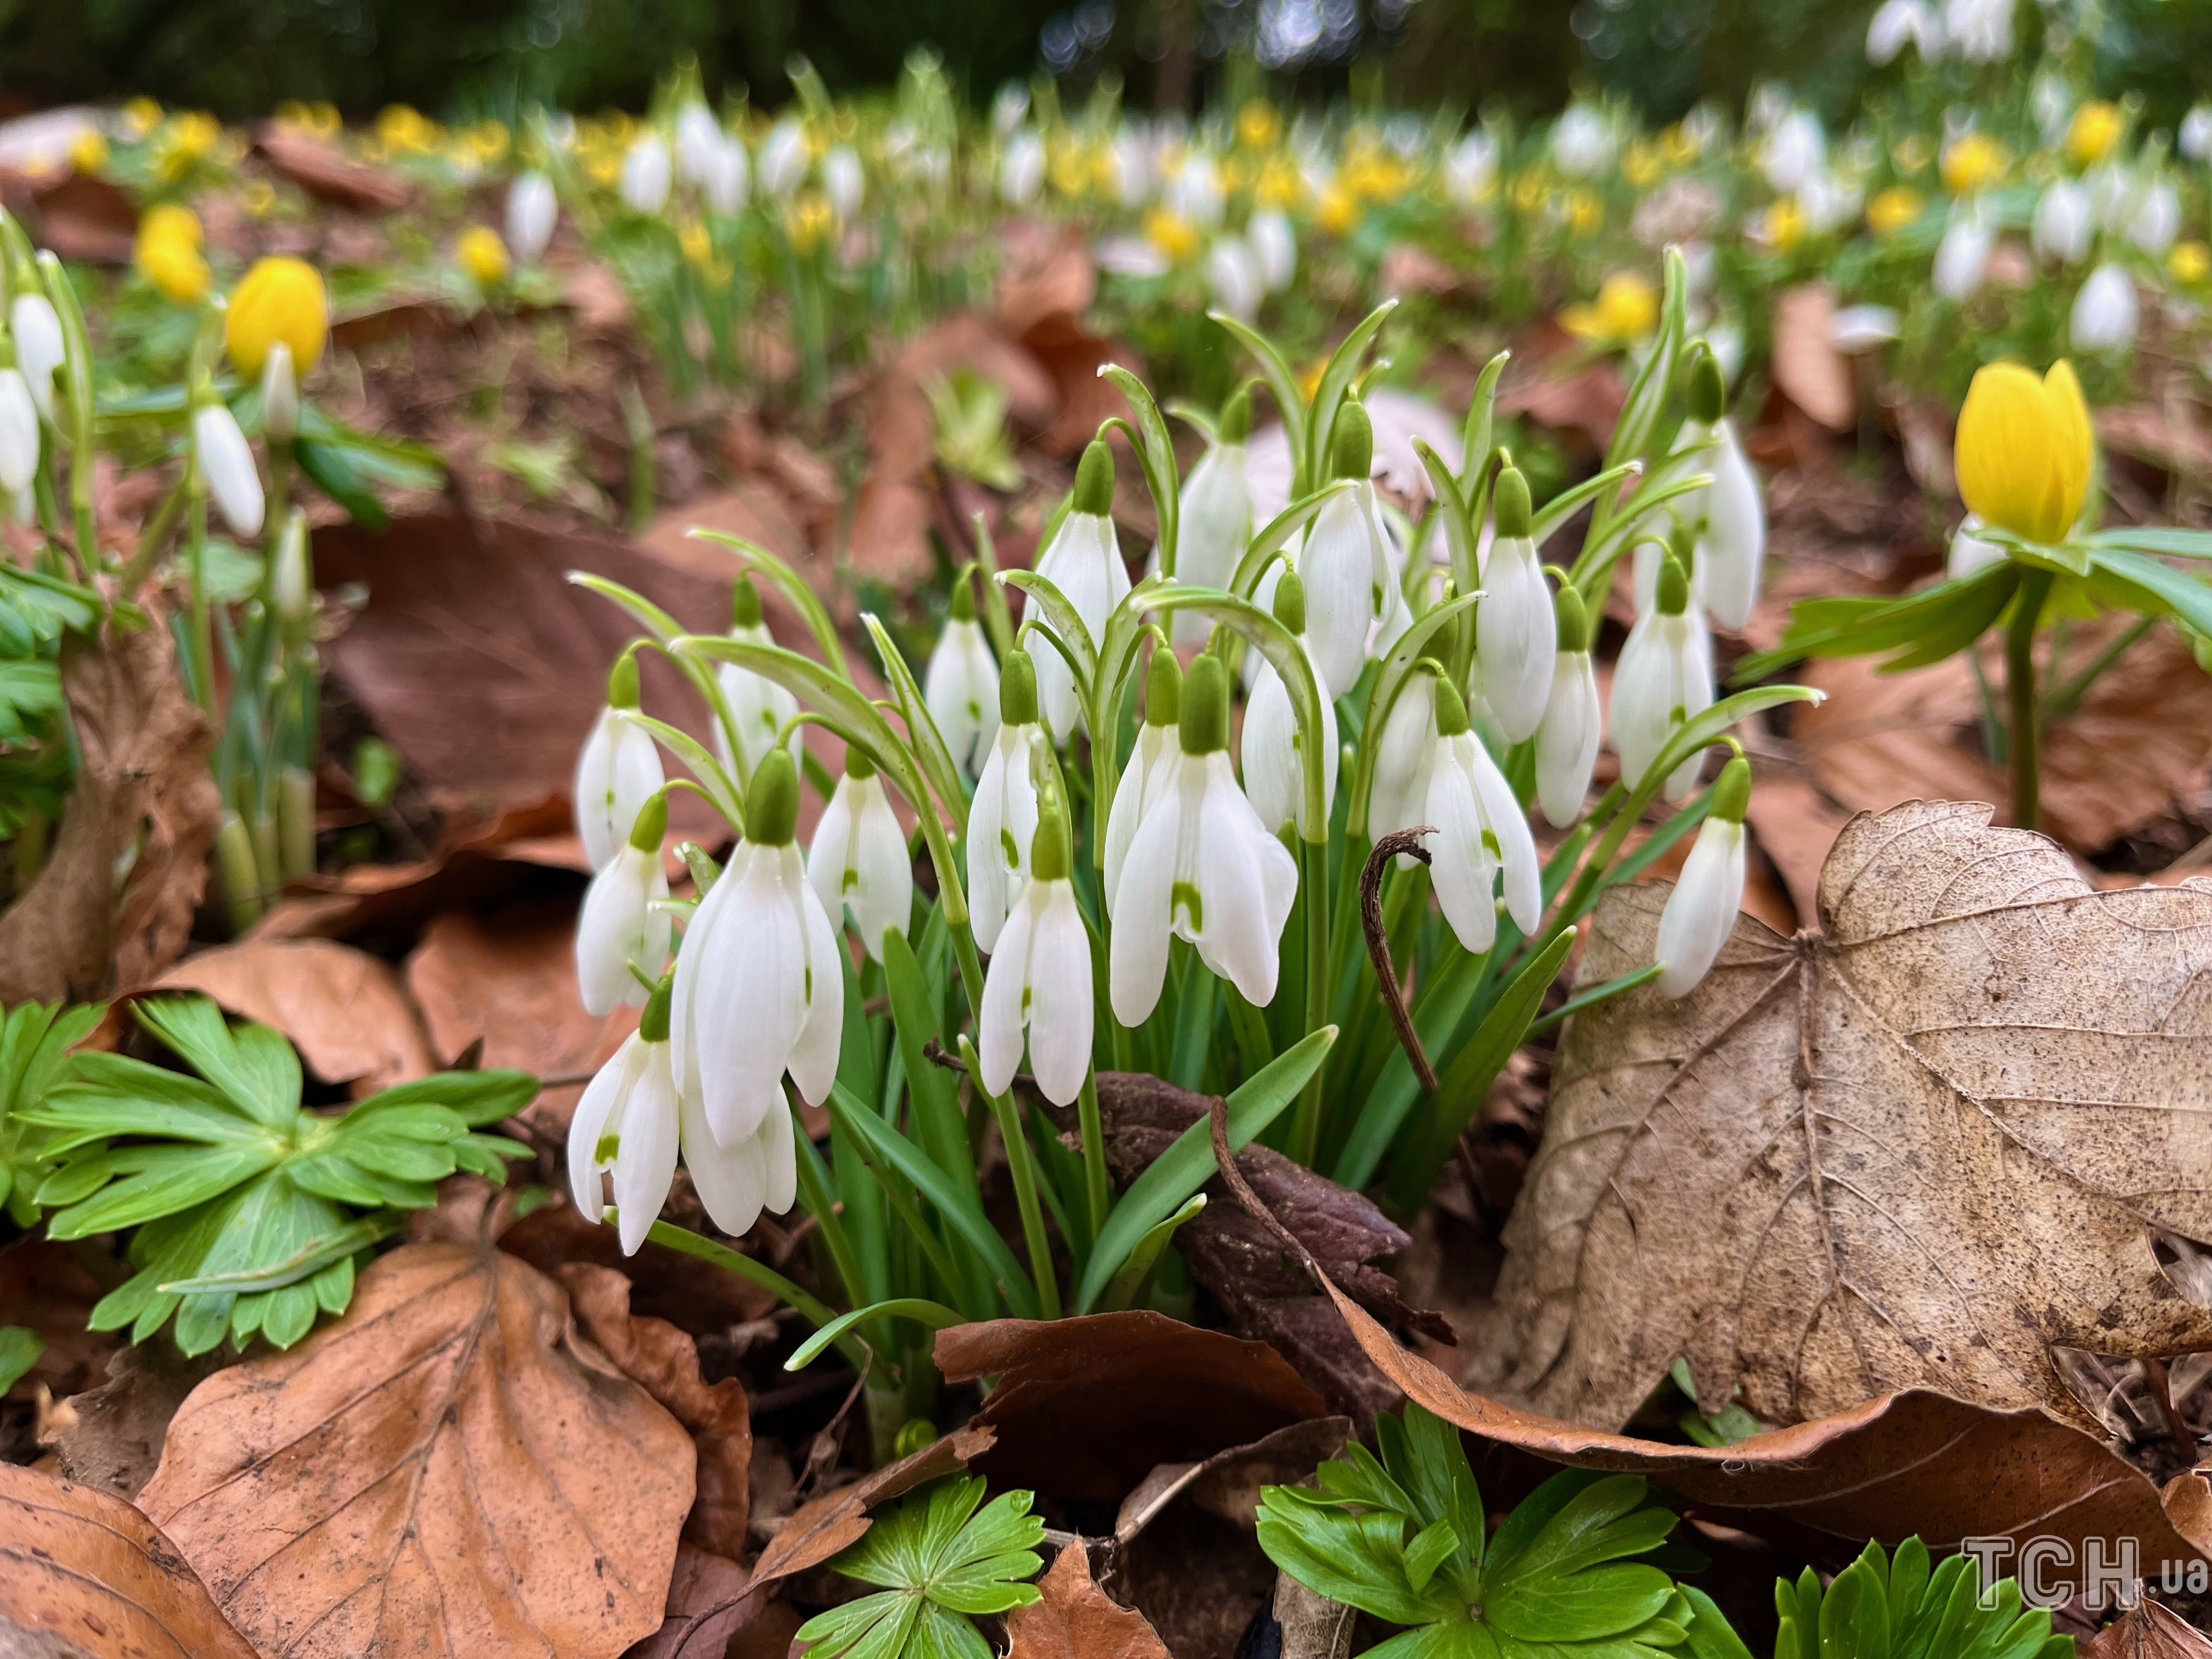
{"x":1074,"y":1619}
{"x":449,"y":1469}
{"x":1913,"y":1150}
{"x":823,"y":1526}
{"x":328,"y":176}
{"x":2152,"y":1630}
{"x":344,"y":1010}
{"x":1809,"y":370}
{"x":111,"y":1437}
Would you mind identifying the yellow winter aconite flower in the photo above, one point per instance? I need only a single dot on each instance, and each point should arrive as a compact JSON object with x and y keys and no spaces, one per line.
{"x":142,"y":115}
{"x":168,"y":253}
{"x":1258,"y":126}
{"x":89,"y":153}
{"x":1640,"y":165}
{"x":280,"y":299}
{"x":481,"y":254}
{"x":2095,"y":128}
{"x":1071,"y":170}
{"x":1893,"y":209}
{"x":809,"y":220}
{"x":1973,"y":163}
{"x":2024,"y":449}
{"x":1171,"y":233}
{"x":2190,"y":262}
{"x":1783,"y":227}
{"x":1582,"y":212}
{"x":1338,"y":210}
{"x":1627,"y":310}
{"x":403,"y":129}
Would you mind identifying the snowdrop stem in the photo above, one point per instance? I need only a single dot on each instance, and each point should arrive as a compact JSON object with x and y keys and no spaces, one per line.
{"x":1021,"y":1166}
{"x":76,"y":362}
{"x":1305,"y":1132}
{"x":1094,"y":1152}
{"x":202,"y":667}
{"x":809,"y":1308}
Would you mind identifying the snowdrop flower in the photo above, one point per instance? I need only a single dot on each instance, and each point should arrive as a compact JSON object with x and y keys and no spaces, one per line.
{"x":1149,"y":766}
{"x":760,"y":983}
{"x":1567,"y":741}
{"x":860,"y":859}
{"x":645,"y":175}
{"x":843,"y":181}
{"x":729,"y":178}
{"x":1663,"y":677}
{"x":291,"y":583}
{"x":625,"y":925}
{"x":1084,"y":562}
{"x":1003,"y":814}
{"x":2156,"y":220}
{"x":1962,"y":257}
{"x":760,"y":708}
{"x":1351,"y":582}
{"x":1272,"y":747}
{"x":1516,"y":634}
{"x":2064,"y":221}
{"x":1855,"y":329}
{"x":1131,"y":163}
{"x":1274,"y":248}
{"x":1701,"y":911}
{"x":39,"y":348}
{"x":19,"y":433}
{"x":1195,"y":193}
{"x":1399,"y":792}
{"x":1734,"y":547}
{"x":1008,"y":109}
{"x":1216,"y":522}
{"x":698,"y":142}
{"x":1021,"y":169}
{"x":1794,"y":151}
{"x":1040,"y":979}
{"x":533,"y":208}
{"x":617,"y":773}
{"x":2195,"y":137}
{"x":1582,"y":141}
{"x":280,"y":395}
{"x":2105,"y":313}
{"x":1480,"y":833}
{"x":1900,"y":23}
{"x":960,"y":687}
{"x":1827,"y":200}
{"x":1471,"y":169}
{"x":1201,"y":867}
{"x":783,"y":157}
{"x":1980,"y":29}
{"x":1233,"y":277}
{"x":225,"y":462}
{"x":1969,"y":552}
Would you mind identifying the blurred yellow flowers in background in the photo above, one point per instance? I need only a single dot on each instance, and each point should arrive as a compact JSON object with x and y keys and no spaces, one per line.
{"x":482,"y":255}
{"x":168,"y":253}
{"x":1627,"y":310}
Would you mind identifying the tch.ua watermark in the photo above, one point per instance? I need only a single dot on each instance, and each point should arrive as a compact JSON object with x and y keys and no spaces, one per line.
{"x":2103,"y":1572}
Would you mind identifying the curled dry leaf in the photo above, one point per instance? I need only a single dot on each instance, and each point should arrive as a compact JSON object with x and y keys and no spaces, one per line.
{"x":143,"y":801}
{"x":2152,"y":1630}
{"x":1914,"y":1150}
{"x":344,"y":1010}
{"x":449,"y":1469}
{"x":1809,"y":370}
{"x":84,"y":1574}
{"x":837,"y":1520}
{"x":111,"y":1437}
{"x":1074,"y":1619}
{"x":713,"y":1614}
{"x":328,"y":176}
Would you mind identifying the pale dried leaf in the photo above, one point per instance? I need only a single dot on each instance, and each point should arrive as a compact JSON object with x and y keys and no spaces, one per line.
{"x":1913,"y":1150}
{"x":2152,"y":1630}
{"x":450,"y":1468}
{"x":344,"y":1010}
{"x":1811,"y":373}
{"x":1076,"y":1619}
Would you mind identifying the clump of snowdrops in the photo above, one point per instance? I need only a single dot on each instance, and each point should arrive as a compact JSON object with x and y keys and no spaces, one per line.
{"x":1123,"y":878}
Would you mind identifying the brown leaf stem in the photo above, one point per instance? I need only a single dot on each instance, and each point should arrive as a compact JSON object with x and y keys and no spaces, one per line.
{"x":1408,"y":841}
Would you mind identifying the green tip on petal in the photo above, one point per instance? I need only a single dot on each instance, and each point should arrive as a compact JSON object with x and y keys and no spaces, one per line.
{"x":1574,"y":619}
{"x":1732,"y":794}
{"x":1205,"y":714}
{"x":1050,"y":858}
{"x":1674,"y":588}
{"x":653,"y":1024}
{"x":1236,"y":416}
{"x":1352,"y":452}
{"x":857,"y":763}
{"x":1018,"y":692}
{"x":1094,"y":480}
{"x":652,"y":823}
{"x":1163,"y":688}
{"x":744,"y":603}
{"x":1708,"y":391}
{"x":1451,"y":709}
{"x":1291,"y":602}
{"x":1510,"y":503}
{"x":1682,"y":542}
{"x":621,"y":682}
{"x":772,"y":803}
{"x":963,"y":598}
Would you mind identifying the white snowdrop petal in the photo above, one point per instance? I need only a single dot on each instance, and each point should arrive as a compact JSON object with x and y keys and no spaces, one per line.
{"x":645,"y":1165}
{"x":595,"y":1107}
{"x":1004,"y":1013}
{"x":730,"y":1180}
{"x":1567,"y":741}
{"x":1701,"y":911}
{"x":1061,"y":1008}
{"x":1137,"y":961}
{"x":814,"y":1050}
{"x":1463,"y":871}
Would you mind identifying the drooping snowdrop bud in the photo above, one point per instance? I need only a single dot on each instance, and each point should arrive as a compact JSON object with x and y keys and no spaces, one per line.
{"x":843,"y":181}
{"x":2106,"y":312}
{"x":1233,"y":278}
{"x":1794,"y":151}
{"x":1567,"y":741}
{"x":618,"y":771}
{"x":2064,"y":221}
{"x":291,"y":581}
{"x":1009,"y":106}
{"x":1272,"y":746}
{"x":1400,"y":790}
{"x":280,"y":395}
{"x":623,"y":924}
{"x":533,"y":208}
{"x":2195,"y":136}
{"x":1480,"y":833}
{"x":2156,"y":218}
{"x":1346,"y":561}
{"x":1664,"y":676}
{"x":1735,"y":513}
{"x":760,"y":984}
{"x":1275,"y":247}
{"x":1150,"y":766}
{"x":1516,"y":634}
{"x":1969,"y":552}
{"x":759,"y":708}
{"x":1701,"y":911}
{"x":1084,"y":562}
{"x":698,"y":141}
{"x":1900,"y":23}
{"x":1040,"y":978}
{"x":1202,"y":867}
{"x":39,"y":349}
{"x":1962,"y":257}
{"x":1216,"y":522}
{"x":729,"y":176}
{"x":1021,"y":169}
{"x":647,"y":174}
{"x":783,"y":157}
{"x":1583,"y":142}
{"x":628,"y":1122}
{"x":960,"y":687}
{"x":227,"y":463}
{"x":860,"y":860}
{"x":19,"y":432}
{"x":1003,"y":814}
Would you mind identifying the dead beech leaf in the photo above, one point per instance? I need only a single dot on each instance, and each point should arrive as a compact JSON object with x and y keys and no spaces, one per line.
{"x":328,"y":176}
{"x":83,"y":1573}
{"x":110,"y":1437}
{"x":823,"y":1526}
{"x":344,"y":1010}
{"x":142,"y":799}
{"x":1913,"y":1150}
{"x":449,"y":1469}
{"x":2152,"y":1630}
{"x":713,"y":1614}
{"x":665,"y":1362}
{"x":1075,"y":1619}
{"x":1811,"y":373}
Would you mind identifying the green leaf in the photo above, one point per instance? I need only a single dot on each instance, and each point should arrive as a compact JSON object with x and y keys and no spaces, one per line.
{"x":2187,"y":596}
{"x":942,"y":1560}
{"x":252,"y":1064}
{"x":19,"y":1348}
{"x":933,"y":1314}
{"x":1869,"y":627}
